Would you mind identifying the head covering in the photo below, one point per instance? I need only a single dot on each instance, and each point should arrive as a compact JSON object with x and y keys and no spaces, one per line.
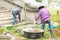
{"x":42,"y":5}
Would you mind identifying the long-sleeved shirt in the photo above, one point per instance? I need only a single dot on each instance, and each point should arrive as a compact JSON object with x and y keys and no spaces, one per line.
{"x":44,"y":14}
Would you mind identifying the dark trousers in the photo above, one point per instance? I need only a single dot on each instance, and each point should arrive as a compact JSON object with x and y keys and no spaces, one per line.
{"x":15,"y":14}
{"x":49,"y":24}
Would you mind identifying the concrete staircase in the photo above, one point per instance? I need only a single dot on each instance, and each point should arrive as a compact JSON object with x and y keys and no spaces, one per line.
{"x":5,"y":17}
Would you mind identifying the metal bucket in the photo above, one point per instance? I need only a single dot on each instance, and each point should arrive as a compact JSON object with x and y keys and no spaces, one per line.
{"x":31,"y":34}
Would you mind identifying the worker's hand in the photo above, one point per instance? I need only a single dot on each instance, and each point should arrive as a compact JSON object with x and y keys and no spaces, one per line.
{"x":35,"y":21}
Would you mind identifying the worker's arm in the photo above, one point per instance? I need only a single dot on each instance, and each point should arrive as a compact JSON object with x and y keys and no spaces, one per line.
{"x":38,"y":16}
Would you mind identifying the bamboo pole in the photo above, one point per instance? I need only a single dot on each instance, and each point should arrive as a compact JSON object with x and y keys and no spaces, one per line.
{"x":24,"y":8}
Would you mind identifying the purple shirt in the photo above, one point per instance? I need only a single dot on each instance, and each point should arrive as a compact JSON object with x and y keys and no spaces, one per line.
{"x":44,"y":14}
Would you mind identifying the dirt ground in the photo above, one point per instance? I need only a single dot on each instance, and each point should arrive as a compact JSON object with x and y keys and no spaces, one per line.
{"x":22,"y":38}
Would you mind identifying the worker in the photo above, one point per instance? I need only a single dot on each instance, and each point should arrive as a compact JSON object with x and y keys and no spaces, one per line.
{"x":44,"y":15}
{"x":16,"y":12}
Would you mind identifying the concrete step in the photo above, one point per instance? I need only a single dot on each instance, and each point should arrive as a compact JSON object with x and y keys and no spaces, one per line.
{"x":2,"y":8}
{"x":3,"y":16}
{"x":6,"y":22}
{"x":4,"y":11}
{"x":6,"y":18}
{"x":8,"y":14}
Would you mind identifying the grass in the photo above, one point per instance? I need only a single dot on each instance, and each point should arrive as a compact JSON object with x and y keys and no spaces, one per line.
{"x":55,"y":18}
